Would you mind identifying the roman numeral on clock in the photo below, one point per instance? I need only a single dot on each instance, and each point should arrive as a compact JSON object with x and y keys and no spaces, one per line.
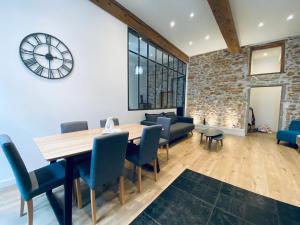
{"x":50,"y":74}
{"x":66,"y":68}
{"x":24,"y":51}
{"x":39,"y":70}
{"x":30,"y":62}
{"x":48,"y":39}
{"x":38,"y":40}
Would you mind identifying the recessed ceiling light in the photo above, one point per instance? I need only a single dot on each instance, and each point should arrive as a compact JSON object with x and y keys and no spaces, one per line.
{"x":265,"y":54}
{"x":207,"y":37}
{"x":172,"y":24}
{"x":261,"y":24}
{"x":192,"y":15}
{"x":290,"y":17}
{"x":190,"y":43}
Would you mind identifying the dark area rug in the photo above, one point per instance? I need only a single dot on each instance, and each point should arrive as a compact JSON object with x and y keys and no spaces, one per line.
{"x":194,"y":198}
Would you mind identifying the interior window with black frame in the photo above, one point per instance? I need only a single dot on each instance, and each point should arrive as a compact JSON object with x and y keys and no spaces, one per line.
{"x":156,"y":79}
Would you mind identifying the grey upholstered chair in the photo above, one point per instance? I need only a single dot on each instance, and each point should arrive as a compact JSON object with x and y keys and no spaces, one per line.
{"x":106,"y":165}
{"x":165,"y":122}
{"x":145,"y":152}
{"x":69,"y":127}
{"x":34,"y":183}
{"x":103,"y":122}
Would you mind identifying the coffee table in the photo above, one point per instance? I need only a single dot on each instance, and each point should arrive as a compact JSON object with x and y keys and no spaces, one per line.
{"x":210,"y":133}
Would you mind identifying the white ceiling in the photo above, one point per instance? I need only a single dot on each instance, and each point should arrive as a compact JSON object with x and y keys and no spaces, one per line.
{"x":247,"y":15}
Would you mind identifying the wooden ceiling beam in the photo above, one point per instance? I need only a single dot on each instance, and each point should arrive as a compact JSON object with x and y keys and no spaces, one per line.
{"x":123,"y":14}
{"x":222,"y":13}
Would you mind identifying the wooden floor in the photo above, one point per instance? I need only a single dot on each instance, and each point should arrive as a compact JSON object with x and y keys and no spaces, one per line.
{"x":255,"y":163}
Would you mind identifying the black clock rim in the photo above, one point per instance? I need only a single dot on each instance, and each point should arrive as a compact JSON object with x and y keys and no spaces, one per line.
{"x":41,"y":33}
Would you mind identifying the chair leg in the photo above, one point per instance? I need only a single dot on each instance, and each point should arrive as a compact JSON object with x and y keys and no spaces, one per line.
{"x":155,"y":169}
{"x":139,"y":180}
{"x":222,"y":143}
{"x":22,"y":207}
{"x":29,"y":212}
{"x":78,"y":193}
{"x":167,"y":149}
{"x":278,"y":141}
{"x":122,"y":190}
{"x":93,"y":205}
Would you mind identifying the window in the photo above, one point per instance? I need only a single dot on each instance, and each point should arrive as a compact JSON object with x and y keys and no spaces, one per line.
{"x":156,"y":79}
{"x":267,"y":59}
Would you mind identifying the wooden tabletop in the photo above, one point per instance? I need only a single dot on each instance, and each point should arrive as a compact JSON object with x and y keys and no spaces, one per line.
{"x":75,"y":143}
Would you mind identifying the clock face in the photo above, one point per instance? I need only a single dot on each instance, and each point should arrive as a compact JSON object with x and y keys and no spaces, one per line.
{"x":46,"y":56}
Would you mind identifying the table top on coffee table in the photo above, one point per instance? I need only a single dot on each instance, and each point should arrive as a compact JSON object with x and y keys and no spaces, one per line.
{"x":212,"y":132}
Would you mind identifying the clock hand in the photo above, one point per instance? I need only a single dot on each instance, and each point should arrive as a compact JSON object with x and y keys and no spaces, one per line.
{"x":54,"y":57}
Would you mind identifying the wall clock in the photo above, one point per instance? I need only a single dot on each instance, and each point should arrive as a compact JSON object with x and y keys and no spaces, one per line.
{"x":46,"y":56}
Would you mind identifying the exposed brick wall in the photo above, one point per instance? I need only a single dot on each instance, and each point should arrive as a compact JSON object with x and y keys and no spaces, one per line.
{"x":218,"y":86}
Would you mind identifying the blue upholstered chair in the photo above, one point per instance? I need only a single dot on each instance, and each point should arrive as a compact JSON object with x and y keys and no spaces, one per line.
{"x":69,"y":127}
{"x":103,"y":122}
{"x":31,"y":184}
{"x":106,"y":165}
{"x":164,"y":140}
{"x":145,"y":152}
{"x":291,"y":134}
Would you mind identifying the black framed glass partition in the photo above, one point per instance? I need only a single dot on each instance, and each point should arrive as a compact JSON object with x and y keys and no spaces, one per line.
{"x":156,"y":79}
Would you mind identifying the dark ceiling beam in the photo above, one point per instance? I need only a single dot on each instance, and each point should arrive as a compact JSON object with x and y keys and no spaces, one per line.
{"x":222,"y":13}
{"x":123,"y":14}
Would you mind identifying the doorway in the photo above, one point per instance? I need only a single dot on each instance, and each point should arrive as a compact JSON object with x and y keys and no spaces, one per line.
{"x":265,"y":104}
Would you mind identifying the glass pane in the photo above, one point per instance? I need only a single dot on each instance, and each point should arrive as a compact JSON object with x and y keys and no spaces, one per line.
{"x":180,"y":67}
{"x":133,"y":43}
{"x":165,"y":59}
{"x":164,"y":91}
{"x":143,"y":47}
{"x":266,"y":61}
{"x":159,"y":56}
{"x":174,"y":90}
{"x":175,"y":64}
{"x":142,"y":73}
{"x":170,"y":89}
{"x":151,"y":52}
{"x":171,"y":62}
{"x":180,"y":93}
{"x":159,"y":86}
{"x":133,"y":81}
{"x":151,"y":85}
{"x":184,"y":68}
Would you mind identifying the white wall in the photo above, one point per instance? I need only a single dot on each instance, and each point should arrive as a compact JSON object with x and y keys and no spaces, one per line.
{"x":97,"y":87}
{"x":266,"y":106}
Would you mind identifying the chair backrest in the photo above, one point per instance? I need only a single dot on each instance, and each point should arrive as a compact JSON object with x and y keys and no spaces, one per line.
{"x":295,"y":125}
{"x":166,"y":126}
{"x":108,"y":157}
{"x":103,"y":122}
{"x":19,"y":169}
{"x":73,"y":126}
{"x":149,"y":144}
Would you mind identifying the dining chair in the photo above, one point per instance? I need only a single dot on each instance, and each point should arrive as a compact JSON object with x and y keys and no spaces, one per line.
{"x":145,"y":152}
{"x":103,"y":122}
{"x":69,"y":127}
{"x":106,"y":165}
{"x":165,"y":133}
{"x":31,"y":184}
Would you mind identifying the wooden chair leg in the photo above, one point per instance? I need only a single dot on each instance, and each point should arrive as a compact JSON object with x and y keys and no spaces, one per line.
{"x":222,"y":143}
{"x":78,"y":193}
{"x":93,"y":205}
{"x":167,"y":149}
{"x":29,"y":212}
{"x":22,"y":207}
{"x":155,"y":169}
{"x":121,"y":190}
{"x":139,"y":180}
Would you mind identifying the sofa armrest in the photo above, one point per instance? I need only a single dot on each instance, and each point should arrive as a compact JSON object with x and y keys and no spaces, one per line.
{"x":185,"y":119}
{"x":147,"y":123}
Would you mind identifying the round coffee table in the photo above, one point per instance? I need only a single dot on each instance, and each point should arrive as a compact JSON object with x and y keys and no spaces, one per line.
{"x":210,"y":133}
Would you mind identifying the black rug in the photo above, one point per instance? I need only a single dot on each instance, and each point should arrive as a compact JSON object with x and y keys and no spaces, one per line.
{"x":197,"y":199}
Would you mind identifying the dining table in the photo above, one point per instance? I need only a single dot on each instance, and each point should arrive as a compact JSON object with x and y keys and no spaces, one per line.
{"x":67,"y":146}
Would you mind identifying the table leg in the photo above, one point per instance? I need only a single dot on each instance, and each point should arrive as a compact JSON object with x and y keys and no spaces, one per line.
{"x":68,"y":192}
{"x":209,"y":143}
{"x":201,"y":138}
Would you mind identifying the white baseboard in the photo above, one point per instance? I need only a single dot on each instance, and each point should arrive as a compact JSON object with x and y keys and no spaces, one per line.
{"x":232,"y":131}
{"x":7,"y":182}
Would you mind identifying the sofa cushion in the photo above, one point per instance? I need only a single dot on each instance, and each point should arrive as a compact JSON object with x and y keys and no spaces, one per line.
{"x":172,"y":116}
{"x":179,"y":129}
{"x":153,"y":117}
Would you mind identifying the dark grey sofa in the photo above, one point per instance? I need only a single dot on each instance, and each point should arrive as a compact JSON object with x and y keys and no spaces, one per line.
{"x":180,"y":125}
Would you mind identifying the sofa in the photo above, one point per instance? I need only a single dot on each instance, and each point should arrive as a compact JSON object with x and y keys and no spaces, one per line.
{"x":291,"y":134}
{"x":180,"y":125}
